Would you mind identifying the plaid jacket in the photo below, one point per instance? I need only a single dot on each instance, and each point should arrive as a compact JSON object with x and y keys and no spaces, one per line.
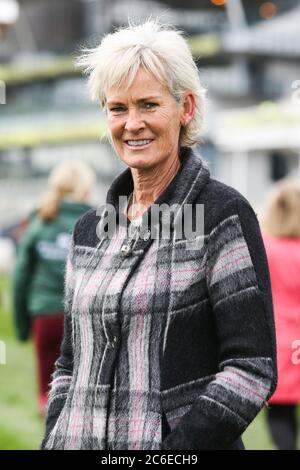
{"x":165,"y":347}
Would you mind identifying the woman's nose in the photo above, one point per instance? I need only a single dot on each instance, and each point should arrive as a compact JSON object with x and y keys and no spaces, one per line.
{"x":134,"y":121}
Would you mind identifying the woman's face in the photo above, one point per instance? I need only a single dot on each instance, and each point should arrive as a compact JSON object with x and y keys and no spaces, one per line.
{"x":144,"y":121}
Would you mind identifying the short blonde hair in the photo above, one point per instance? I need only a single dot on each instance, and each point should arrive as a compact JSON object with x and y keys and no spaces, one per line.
{"x":281,"y":217}
{"x":70,"y":179}
{"x":162,"y":51}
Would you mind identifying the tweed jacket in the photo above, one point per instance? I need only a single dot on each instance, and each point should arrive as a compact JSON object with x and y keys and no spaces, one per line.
{"x":165,"y":347}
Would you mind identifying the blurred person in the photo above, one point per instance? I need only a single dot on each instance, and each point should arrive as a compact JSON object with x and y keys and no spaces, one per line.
{"x":38,"y":281}
{"x":14,"y":232}
{"x":168,"y":344}
{"x":281,"y":235}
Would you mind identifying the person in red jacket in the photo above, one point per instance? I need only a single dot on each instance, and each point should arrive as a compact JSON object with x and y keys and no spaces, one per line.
{"x":281,"y":235}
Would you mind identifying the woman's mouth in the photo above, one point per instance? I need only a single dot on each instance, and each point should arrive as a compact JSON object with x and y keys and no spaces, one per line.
{"x":138,"y":143}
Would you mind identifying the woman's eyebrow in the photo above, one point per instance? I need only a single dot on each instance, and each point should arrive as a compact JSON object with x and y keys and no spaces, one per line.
{"x":114,"y":103}
{"x":140,"y":100}
{"x":147,"y":98}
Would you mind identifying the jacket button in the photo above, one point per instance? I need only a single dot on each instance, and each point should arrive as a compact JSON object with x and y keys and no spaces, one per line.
{"x":146,"y":235}
{"x":113,"y":342}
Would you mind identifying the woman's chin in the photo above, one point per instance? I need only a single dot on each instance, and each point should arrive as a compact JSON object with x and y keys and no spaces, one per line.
{"x":138,"y":160}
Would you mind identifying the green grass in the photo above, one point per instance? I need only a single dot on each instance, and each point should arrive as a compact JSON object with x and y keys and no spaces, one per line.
{"x":20,"y":424}
{"x":257,"y":437}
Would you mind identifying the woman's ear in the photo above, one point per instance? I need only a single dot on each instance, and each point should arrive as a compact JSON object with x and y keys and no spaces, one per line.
{"x":188,"y":111}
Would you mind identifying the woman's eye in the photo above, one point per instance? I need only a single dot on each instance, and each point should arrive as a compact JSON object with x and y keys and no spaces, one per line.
{"x":117,"y":109}
{"x":150,"y":105}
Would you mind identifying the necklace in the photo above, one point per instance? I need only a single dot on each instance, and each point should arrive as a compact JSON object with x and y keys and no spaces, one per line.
{"x":135,"y":223}
{"x":132,"y":200}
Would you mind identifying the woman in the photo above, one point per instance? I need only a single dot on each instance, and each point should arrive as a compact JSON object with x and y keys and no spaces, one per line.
{"x":39,"y":273}
{"x":169,"y":341}
{"x":281,"y":235}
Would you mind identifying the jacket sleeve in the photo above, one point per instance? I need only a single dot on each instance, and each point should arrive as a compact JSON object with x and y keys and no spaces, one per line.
{"x":22,"y":277}
{"x":62,"y":376}
{"x":241,"y":302}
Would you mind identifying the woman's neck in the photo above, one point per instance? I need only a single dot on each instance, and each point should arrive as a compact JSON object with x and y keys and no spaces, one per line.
{"x":149,"y":185}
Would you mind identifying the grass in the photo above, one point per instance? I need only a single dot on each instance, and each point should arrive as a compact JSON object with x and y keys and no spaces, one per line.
{"x":20,"y":424}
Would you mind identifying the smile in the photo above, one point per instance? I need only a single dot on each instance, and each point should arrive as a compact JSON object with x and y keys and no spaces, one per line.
{"x":138,"y":143}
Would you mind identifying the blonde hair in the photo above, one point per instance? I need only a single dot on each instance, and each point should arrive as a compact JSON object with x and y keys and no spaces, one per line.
{"x":162,"y":51}
{"x":73,"y":180}
{"x":281,"y":217}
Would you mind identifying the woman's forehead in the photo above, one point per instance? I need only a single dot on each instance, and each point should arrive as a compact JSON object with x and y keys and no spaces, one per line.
{"x":144,"y":86}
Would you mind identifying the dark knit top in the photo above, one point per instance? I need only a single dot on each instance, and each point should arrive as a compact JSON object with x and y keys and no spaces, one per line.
{"x":166,"y":345}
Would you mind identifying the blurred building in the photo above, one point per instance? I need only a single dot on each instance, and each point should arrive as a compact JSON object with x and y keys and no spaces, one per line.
{"x":259,"y":139}
{"x":247,"y":53}
{"x":48,"y":115}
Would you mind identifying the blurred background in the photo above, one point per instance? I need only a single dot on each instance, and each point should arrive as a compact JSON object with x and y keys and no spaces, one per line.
{"x":248,"y":55}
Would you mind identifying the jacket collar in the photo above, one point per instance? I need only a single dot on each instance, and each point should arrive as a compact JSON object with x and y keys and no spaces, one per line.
{"x":191,"y":178}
